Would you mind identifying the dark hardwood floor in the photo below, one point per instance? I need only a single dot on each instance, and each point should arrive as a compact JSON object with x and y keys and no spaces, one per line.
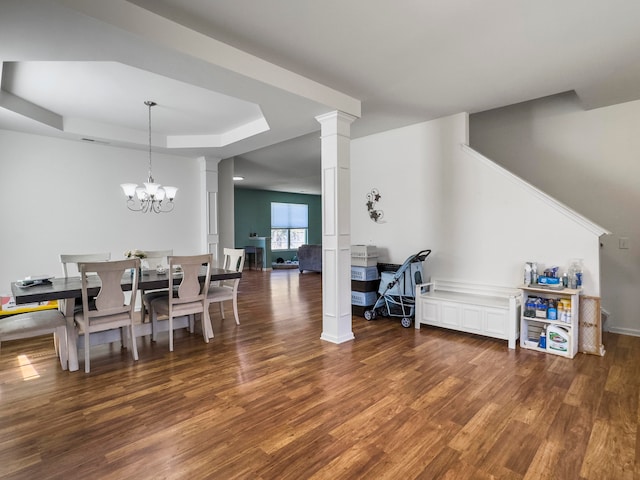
{"x":269,"y":400}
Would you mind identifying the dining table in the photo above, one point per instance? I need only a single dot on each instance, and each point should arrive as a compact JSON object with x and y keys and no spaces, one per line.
{"x":66,"y":290}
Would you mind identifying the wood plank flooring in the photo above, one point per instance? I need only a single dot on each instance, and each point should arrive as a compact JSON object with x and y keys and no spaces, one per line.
{"x":269,"y":400}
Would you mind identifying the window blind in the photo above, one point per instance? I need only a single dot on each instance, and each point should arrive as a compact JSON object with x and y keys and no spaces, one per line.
{"x":289,"y":215}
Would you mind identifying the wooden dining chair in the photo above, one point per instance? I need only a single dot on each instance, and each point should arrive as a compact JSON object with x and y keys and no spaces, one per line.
{"x":227,"y":290}
{"x":70,"y":267}
{"x":189,"y":299}
{"x":34,"y":324}
{"x":111,"y":310}
{"x":72,"y":259}
{"x":154,"y":259}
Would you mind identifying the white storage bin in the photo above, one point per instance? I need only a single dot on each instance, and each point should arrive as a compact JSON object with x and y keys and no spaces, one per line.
{"x":364,"y":251}
{"x":363,"y":299}
{"x":364,"y":261}
{"x":364,"y":273}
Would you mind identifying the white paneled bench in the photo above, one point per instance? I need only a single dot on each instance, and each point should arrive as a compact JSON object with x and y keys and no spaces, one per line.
{"x":469,"y":307}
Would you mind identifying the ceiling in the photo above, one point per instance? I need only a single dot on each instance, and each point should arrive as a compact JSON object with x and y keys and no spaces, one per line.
{"x":246,"y":78}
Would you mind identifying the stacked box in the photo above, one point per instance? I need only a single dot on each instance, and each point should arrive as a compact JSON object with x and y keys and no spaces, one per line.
{"x":364,"y":251}
{"x":364,"y":261}
{"x":364,"y":255}
{"x":364,"y":277}
{"x":358,"y":311}
{"x":363,"y":299}
{"x":364,"y":273}
{"x":366,"y":286}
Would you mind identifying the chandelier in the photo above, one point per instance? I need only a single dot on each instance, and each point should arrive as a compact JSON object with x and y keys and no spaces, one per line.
{"x":152,"y":197}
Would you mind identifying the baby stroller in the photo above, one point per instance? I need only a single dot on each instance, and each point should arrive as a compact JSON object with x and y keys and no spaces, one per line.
{"x":397,"y":294}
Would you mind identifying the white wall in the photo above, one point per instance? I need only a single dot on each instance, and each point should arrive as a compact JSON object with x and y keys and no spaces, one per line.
{"x":590,"y":161}
{"x":60,"y":196}
{"x":477,"y":218}
{"x":403,"y":165}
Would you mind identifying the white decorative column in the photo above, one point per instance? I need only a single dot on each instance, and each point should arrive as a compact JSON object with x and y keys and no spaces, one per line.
{"x":209,"y":189}
{"x":336,"y":226}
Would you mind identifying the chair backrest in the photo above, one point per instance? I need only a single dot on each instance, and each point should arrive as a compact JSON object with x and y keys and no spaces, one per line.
{"x":189,"y":289}
{"x":157,"y":257}
{"x":234,"y":259}
{"x":73,"y":259}
{"x":111,"y":299}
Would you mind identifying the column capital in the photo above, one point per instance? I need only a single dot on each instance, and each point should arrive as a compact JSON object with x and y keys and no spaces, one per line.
{"x":211,"y":163}
{"x":336,"y":122}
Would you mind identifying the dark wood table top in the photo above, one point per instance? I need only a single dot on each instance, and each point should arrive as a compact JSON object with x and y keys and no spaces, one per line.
{"x":71,"y":287}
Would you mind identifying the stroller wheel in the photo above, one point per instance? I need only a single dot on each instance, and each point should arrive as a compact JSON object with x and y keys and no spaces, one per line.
{"x":406,"y":322}
{"x":369,"y":314}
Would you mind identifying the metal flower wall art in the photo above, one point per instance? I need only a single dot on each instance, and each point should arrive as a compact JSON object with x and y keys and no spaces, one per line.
{"x":373,"y":198}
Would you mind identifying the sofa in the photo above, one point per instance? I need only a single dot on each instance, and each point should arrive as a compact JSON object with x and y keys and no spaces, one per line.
{"x":310,"y":258}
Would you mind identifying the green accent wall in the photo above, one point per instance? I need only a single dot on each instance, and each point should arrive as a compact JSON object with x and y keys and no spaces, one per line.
{"x":253,"y":215}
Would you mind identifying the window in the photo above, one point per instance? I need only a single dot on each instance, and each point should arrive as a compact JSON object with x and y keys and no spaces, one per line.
{"x":289,"y":225}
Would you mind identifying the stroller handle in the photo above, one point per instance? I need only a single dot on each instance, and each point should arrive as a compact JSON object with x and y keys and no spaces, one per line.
{"x":422,"y":255}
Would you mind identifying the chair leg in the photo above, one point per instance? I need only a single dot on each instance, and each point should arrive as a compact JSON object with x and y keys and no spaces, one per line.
{"x":134,"y":344}
{"x":87,"y":336}
{"x":235,"y":310}
{"x":207,"y":329}
{"x":72,"y":345}
{"x":170,"y":333}
{"x":123,"y":338}
{"x":143,"y":312}
{"x":63,"y":347}
{"x":221,"y":309}
{"x":154,"y":324}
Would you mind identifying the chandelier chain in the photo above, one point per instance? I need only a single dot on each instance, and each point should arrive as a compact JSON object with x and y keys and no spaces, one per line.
{"x":150,"y":104}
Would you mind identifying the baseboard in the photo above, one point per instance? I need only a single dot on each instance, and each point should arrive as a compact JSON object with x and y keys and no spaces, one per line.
{"x":632,"y":332}
{"x":333,"y":339}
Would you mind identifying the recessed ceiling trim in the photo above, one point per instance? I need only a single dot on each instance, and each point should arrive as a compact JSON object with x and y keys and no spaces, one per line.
{"x":247,"y":130}
{"x":234,"y":135}
{"x":30,"y":110}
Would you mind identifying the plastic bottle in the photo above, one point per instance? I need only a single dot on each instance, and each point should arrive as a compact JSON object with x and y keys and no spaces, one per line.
{"x":572,"y":276}
{"x":575,"y":273}
{"x":530,"y":308}
{"x":542,"y":343}
{"x":559,"y":338}
{"x":528,"y":273}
